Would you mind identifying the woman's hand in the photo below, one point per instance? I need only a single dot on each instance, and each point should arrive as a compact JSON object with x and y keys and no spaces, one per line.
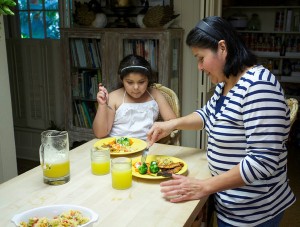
{"x":102,"y":95}
{"x":159,"y":130}
{"x":182,"y":188}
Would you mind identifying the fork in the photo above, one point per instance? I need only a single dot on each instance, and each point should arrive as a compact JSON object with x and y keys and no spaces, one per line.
{"x":106,"y":98}
{"x":145,"y":153}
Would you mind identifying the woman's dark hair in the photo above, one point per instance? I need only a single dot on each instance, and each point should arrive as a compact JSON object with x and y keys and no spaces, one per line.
{"x":209,"y":31}
{"x":135,"y":64}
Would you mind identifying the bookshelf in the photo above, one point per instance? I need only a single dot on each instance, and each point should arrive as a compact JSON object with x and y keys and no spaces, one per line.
{"x":92,"y":55}
{"x":276,"y":41}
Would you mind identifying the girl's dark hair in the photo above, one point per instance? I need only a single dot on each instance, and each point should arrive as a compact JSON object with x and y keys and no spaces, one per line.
{"x":209,"y":31}
{"x":135,"y":64}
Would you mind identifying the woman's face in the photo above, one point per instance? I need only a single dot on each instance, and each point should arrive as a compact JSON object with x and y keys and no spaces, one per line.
{"x":212,"y":63}
{"x":135,"y":84}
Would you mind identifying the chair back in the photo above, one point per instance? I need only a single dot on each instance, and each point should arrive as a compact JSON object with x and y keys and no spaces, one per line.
{"x":173,"y":101}
{"x":171,"y":97}
{"x":293,"y":105}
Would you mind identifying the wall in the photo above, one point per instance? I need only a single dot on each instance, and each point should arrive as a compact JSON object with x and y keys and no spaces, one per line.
{"x":195,"y":84}
{"x":8,"y":164}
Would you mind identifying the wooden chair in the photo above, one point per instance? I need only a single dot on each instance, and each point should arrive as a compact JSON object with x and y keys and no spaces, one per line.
{"x":171,"y":97}
{"x":293,"y":105}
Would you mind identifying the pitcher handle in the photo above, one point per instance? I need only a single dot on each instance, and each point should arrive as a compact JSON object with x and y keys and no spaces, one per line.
{"x":42,"y":159}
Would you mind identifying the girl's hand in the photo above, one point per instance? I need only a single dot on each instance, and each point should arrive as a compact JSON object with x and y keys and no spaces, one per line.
{"x":182,"y":188}
{"x":102,"y":95}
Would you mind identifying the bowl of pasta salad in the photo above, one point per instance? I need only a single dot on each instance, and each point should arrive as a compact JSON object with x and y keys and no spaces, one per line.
{"x":56,"y":215}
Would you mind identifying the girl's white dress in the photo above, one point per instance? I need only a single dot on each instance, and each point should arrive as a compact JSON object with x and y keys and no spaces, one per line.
{"x":135,"y":119}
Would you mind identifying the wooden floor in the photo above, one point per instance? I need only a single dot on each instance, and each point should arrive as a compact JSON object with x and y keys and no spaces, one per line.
{"x":292,"y":215}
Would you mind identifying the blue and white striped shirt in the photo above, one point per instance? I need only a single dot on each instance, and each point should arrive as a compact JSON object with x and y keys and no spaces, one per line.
{"x":251,"y":129}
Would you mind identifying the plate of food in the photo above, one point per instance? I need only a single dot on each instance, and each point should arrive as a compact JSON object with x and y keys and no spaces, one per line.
{"x":122,"y":145}
{"x":56,"y":215}
{"x":158,"y":167}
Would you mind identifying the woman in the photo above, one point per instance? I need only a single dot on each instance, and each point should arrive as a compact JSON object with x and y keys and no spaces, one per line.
{"x":132,"y":109}
{"x":247,"y":122}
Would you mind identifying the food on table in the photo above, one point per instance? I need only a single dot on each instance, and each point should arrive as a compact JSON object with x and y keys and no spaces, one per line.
{"x":173,"y":167}
{"x":161,"y":167}
{"x":117,"y":145}
{"x":143,"y":168}
{"x":124,"y":141}
{"x":154,"y":167}
{"x":70,"y":218}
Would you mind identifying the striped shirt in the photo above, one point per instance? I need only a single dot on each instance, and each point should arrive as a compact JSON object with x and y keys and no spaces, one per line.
{"x":251,"y":129}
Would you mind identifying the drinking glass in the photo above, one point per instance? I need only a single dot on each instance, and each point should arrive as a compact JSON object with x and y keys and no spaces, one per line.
{"x":100,"y":160}
{"x":121,"y":173}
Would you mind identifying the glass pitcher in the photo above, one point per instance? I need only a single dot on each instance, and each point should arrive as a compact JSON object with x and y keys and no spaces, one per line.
{"x":54,"y":157}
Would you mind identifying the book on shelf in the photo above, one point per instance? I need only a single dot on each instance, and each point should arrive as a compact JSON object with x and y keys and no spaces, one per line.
{"x":80,"y":53}
{"x":85,"y":83}
{"x":87,"y":114}
{"x":88,"y":54}
{"x":97,"y":46}
{"x":85,"y":53}
{"x":74,"y":55}
{"x":78,"y":118}
{"x":84,"y":113}
{"x":147,"y":48}
{"x":289,"y":18}
{"x":92,"y":50}
{"x":94,"y":87}
{"x":99,"y":76}
{"x":76,"y":84}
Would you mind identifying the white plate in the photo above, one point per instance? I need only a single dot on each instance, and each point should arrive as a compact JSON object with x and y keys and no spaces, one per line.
{"x":54,"y":210}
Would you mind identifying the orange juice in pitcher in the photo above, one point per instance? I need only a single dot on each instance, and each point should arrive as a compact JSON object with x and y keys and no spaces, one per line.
{"x":54,"y":157}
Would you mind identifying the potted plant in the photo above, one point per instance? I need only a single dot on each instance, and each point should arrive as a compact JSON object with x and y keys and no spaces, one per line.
{"x":5,"y":7}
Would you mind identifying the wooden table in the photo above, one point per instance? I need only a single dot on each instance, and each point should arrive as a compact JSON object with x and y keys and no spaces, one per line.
{"x":141,"y":205}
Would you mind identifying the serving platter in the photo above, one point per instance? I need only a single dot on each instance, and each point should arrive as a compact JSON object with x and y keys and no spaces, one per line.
{"x":137,"y":145}
{"x":151,"y":158}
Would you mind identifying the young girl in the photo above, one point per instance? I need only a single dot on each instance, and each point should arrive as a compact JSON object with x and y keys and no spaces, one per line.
{"x":132,"y":109}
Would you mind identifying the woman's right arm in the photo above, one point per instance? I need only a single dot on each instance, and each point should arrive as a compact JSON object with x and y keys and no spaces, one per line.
{"x":160,"y":130}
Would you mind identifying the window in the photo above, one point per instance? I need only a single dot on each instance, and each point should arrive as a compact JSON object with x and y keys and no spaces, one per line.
{"x":39,"y":19}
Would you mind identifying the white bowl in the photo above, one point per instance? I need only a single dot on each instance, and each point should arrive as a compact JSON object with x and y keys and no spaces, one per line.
{"x":54,"y":210}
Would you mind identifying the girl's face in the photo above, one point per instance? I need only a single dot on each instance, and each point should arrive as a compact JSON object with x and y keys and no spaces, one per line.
{"x":135,"y":84}
{"x":211,"y":63}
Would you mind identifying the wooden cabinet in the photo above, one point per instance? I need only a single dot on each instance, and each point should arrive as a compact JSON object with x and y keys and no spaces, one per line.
{"x":275,"y":39}
{"x":93,"y":56}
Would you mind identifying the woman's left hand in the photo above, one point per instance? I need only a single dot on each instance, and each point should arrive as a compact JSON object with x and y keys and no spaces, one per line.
{"x":182,"y":188}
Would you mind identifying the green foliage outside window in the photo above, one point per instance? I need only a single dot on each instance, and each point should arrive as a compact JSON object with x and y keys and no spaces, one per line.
{"x":39,"y":19}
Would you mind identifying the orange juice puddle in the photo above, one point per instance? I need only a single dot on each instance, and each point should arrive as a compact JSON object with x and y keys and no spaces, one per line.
{"x":57,"y":170}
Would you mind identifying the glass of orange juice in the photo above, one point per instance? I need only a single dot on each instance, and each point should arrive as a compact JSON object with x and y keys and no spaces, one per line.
{"x":121,"y":173}
{"x":100,"y":160}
